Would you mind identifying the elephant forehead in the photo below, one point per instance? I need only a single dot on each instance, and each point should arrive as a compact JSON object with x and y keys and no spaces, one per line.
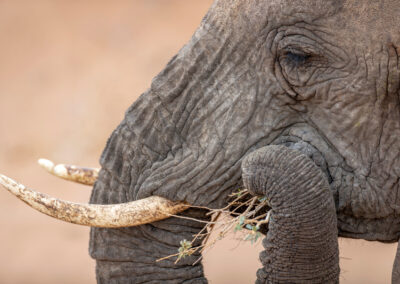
{"x":376,"y":20}
{"x":363,"y":23}
{"x":365,"y":20}
{"x":384,"y":13}
{"x":256,"y":14}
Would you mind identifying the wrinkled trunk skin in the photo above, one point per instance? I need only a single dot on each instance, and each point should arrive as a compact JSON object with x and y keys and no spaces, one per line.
{"x":142,"y":144}
{"x":301,"y":245}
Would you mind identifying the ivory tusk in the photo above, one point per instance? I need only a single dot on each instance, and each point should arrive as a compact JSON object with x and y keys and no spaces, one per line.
{"x":128,"y":214}
{"x":86,"y":176}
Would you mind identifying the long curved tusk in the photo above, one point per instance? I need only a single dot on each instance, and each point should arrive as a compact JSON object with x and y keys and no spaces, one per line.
{"x":129,"y":214}
{"x":86,"y":176}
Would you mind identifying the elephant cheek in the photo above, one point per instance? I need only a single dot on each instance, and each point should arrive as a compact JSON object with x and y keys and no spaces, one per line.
{"x":301,"y":244}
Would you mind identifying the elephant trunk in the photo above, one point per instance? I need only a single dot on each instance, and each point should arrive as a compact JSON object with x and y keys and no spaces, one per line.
{"x":301,"y":245}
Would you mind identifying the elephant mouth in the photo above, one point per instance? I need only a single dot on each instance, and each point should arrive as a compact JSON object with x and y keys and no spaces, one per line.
{"x":305,"y":138}
{"x":296,"y":143}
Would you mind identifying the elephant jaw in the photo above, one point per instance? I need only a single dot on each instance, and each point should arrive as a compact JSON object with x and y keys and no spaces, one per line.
{"x":135,"y":213}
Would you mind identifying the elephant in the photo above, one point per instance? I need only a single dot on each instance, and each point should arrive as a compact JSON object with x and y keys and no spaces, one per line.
{"x":297,"y":101}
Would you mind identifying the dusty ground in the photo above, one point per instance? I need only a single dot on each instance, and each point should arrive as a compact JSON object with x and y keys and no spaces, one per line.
{"x":68,"y":71}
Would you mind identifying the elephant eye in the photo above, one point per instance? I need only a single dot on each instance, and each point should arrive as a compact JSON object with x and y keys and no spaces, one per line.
{"x":301,"y":61}
{"x":296,"y":58}
{"x":297,"y":65}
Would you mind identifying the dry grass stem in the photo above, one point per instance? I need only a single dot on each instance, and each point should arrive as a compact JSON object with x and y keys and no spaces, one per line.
{"x":243,"y":212}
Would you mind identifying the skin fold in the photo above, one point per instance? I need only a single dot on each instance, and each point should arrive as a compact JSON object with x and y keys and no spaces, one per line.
{"x":320,"y":78}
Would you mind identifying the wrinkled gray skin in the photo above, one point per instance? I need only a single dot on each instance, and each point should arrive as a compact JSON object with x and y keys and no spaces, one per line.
{"x":317,"y":76}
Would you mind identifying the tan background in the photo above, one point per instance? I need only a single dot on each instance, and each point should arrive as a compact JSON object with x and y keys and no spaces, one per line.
{"x":68,"y":71}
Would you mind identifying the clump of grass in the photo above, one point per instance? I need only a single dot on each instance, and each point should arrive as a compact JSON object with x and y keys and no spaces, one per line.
{"x":248,"y":215}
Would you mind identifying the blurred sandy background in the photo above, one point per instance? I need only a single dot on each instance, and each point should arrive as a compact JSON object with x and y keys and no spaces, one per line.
{"x":68,"y":71}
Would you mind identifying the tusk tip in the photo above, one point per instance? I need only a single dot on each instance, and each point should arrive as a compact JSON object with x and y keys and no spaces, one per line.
{"x":4,"y":180}
{"x":46,"y":164}
{"x":8,"y":183}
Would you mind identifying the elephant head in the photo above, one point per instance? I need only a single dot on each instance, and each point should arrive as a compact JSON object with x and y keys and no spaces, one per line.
{"x":320,"y":81}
